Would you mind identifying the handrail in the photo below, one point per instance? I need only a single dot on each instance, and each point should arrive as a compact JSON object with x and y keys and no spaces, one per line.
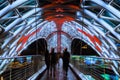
{"x":96,"y":66}
{"x":118,"y":59}
{"x":18,"y":57}
{"x":21,"y":67}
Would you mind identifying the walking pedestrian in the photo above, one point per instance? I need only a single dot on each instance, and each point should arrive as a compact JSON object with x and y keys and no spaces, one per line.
{"x":53,"y":61}
{"x":47,"y":59}
{"x":66,"y":59}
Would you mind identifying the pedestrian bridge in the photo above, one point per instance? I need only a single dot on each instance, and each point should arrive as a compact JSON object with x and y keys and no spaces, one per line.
{"x":80,"y":68}
{"x":89,"y":29}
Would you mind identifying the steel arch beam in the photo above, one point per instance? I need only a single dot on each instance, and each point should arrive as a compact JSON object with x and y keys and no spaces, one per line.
{"x":10,"y":7}
{"x":87,"y":22}
{"x":102,"y":22}
{"x":21,"y":30}
{"x":28,"y":14}
{"x":108,"y":7}
{"x":22,"y":34}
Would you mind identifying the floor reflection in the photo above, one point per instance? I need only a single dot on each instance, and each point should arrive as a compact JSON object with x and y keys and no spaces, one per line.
{"x":58,"y":74}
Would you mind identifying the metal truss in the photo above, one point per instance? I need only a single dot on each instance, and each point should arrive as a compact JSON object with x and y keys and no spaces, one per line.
{"x":97,"y":18}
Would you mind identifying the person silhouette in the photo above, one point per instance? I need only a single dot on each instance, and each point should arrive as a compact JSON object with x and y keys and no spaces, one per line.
{"x":66,"y":59}
{"x":53,"y":60}
{"x":47,"y":59}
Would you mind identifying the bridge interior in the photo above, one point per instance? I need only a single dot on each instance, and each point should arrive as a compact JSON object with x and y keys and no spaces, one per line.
{"x":89,"y":29}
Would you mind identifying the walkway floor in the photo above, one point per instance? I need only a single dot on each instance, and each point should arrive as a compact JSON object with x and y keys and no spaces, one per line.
{"x":59,"y":74}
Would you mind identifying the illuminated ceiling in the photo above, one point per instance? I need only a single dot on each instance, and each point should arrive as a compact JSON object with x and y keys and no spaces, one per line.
{"x":96,"y":22}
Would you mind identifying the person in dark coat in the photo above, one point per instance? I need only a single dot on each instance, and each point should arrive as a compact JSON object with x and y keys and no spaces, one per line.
{"x":53,"y":60}
{"x":66,"y":59}
{"x":47,"y":59}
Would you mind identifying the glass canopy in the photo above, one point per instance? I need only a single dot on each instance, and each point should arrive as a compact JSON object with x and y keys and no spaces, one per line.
{"x":96,"y":22}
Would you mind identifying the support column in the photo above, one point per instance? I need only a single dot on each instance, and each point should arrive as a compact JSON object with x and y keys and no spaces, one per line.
{"x":59,"y":25}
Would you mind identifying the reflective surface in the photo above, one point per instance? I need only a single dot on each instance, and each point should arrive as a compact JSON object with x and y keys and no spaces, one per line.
{"x":96,"y":68}
{"x":59,"y":74}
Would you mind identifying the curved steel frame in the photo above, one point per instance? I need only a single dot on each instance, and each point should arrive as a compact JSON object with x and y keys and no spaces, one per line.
{"x":108,"y":44}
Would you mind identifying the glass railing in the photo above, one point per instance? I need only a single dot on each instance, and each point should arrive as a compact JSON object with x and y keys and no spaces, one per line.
{"x":21,"y":67}
{"x":97,"y":68}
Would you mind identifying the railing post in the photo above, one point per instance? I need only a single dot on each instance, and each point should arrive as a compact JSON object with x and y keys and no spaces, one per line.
{"x":22,"y":69}
{"x":10,"y":74}
{"x":104,"y":65}
{"x":25,"y":72}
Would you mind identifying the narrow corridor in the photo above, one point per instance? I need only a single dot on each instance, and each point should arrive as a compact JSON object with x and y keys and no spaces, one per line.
{"x":59,"y":74}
